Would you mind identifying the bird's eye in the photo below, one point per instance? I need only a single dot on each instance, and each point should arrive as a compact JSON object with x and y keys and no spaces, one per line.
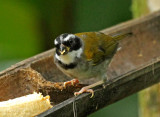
{"x":70,"y":41}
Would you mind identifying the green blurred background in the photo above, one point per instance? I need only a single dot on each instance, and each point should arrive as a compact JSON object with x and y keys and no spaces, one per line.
{"x":28,"y":27}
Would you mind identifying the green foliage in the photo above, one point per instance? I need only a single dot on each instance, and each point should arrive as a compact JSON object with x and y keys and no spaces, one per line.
{"x":139,"y":8}
{"x":19,"y":36}
{"x":94,"y":16}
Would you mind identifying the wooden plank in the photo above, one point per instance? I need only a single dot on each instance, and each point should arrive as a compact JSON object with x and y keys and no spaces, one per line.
{"x":140,"y":51}
{"x":114,"y":90}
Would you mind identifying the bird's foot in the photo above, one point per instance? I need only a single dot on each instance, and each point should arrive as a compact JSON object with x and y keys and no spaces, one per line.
{"x":83,"y":90}
{"x":71,"y":82}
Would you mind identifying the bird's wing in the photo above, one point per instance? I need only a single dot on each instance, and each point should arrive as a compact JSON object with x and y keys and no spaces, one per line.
{"x":98,"y":46}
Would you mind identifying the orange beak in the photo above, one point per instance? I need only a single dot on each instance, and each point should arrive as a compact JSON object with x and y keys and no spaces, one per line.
{"x":64,"y":49}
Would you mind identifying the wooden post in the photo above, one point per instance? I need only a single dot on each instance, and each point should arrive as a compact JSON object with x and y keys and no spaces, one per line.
{"x":149,"y":99}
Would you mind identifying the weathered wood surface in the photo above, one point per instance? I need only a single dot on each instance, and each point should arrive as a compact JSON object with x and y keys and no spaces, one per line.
{"x":135,"y":67}
{"x":114,"y":90}
{"x":149,"y":101}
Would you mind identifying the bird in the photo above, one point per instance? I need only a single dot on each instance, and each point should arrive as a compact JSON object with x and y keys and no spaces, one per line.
{"x":85,"y":55}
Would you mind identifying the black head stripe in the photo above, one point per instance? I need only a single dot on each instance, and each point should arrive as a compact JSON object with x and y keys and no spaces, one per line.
{"x":64,"y":35}
{"x":76,"y":43}
{"x":66,"y":43}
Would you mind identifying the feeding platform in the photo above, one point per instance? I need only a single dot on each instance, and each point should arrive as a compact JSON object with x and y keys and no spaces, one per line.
{"x":135,"y":67}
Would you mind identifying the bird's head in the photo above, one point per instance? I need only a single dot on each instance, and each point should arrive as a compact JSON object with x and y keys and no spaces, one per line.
{"x":68,"y":47}
{"x":66,"y":43}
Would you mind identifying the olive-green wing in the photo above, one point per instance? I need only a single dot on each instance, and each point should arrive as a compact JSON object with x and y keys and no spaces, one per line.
{"x":98,"y":46}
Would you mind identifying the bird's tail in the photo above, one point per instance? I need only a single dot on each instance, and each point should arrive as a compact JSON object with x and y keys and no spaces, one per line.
{"x":121,"y":36}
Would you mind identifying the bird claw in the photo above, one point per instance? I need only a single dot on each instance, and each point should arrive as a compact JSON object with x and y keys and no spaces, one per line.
{"x":83,"y":90}
{"x":71,"y":82}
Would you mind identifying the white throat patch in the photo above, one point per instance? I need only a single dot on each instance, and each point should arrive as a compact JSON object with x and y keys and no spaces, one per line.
{"x":70,"y":56}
